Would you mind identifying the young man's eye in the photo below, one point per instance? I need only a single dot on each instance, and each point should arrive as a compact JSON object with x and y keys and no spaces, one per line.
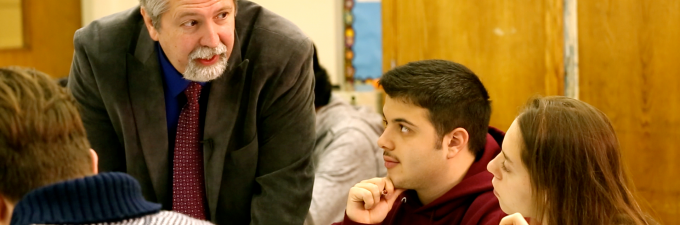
{"x":404,"y":129}
{"x":222,"y":15}
{"x":384,"y":123}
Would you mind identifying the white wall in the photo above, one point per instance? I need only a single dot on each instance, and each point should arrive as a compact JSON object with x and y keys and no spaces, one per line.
{"x":319,"y":19}
{"x":95,"y":9}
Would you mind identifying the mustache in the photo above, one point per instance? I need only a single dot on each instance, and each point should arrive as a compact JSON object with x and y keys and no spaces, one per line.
{"x":386,"y":153}
{"x":207,"y":52}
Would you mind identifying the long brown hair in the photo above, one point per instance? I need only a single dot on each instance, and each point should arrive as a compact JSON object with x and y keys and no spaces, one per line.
{"x":572,"y":154}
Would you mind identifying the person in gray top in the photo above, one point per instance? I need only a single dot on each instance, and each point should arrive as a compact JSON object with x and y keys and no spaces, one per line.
{"x":346,"y":150}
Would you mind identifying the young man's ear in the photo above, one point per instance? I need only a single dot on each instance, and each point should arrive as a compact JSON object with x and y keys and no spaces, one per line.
{"x":6,"y":209}
{"x":149,"y":24}
{"x":456,"y":142}
{"x":95,"y":161}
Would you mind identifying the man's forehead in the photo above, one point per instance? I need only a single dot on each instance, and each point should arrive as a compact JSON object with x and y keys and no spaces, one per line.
{"x":230,"y":2}
{"x":200,"y":4}
{"x":398,"y":108}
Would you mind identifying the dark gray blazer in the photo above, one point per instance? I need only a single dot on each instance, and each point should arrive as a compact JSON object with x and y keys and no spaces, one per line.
{"x":259,"y":123}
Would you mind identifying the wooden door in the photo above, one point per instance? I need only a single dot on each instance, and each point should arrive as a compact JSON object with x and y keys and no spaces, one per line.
{"x":48,"y":36}
{"x":515,"y":47}
{"x":630,"y":69}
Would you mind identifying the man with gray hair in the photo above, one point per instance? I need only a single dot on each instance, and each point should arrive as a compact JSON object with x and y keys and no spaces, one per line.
{"x":208,"y":103}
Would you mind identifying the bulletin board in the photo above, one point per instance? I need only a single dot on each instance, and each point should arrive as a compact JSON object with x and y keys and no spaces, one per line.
{"x":363,"y":44}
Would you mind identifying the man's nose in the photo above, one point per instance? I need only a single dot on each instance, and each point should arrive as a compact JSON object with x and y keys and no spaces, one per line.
{"x":384,"y":141}
{"x":210,"y":38}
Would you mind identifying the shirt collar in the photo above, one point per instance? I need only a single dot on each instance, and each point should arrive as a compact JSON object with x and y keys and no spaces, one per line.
{"x":174,"y":81}
{"x":109,"y":197}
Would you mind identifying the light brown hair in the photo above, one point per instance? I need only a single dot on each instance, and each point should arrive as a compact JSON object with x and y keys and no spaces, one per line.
{"x":42,"y":138}
{"x":572,"y":155}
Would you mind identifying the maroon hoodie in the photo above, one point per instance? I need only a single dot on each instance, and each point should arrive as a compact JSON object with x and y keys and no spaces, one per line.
{"x":470,"y":202}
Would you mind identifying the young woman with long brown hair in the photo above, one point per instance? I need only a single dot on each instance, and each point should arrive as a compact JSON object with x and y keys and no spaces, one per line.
{"x":561,"y":165}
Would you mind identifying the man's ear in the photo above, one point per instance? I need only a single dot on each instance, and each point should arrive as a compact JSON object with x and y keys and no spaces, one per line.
{"x":149,"y":24}
{"x":95,"y":161}
{"x":455,"y":142}
{"x":6,"y":209}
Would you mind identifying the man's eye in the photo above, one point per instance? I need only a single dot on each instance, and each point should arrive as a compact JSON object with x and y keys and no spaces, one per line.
{"x":190,"y":23}
{"x":404,"y":129}
{"x":222,"y":15}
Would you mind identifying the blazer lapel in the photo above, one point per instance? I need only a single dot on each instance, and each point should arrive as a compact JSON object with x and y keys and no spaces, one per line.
{"x":147,"y":97}
{"x":148,"y":104}
{"x":223,"y":104}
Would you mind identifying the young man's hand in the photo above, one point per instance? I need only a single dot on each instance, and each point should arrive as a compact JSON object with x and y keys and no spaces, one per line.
{"x":514,"y":219}
{"x":370,"y":200}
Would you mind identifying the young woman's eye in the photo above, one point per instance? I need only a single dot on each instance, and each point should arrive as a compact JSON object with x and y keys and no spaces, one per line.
{"x":504,"y":168}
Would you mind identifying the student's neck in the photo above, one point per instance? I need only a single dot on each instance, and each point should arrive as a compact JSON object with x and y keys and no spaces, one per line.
{"x":458,"y":167}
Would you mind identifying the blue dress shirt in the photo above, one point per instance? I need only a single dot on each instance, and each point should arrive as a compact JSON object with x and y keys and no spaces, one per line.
{"x":174,"y":86}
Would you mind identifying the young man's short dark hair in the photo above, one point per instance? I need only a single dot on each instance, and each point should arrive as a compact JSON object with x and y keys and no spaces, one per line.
{"x":453,"y":95}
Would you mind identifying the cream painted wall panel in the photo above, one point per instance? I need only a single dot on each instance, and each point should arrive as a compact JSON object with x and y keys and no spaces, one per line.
{"x":95,"y":9}
{"x":321,"y":21}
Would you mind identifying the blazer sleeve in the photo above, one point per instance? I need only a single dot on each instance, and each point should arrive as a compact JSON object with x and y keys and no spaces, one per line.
{"x":83,"y":84}
{"x":286,"y":136}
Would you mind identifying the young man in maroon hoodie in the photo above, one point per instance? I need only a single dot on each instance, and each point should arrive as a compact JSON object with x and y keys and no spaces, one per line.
{"x":436,"y":144}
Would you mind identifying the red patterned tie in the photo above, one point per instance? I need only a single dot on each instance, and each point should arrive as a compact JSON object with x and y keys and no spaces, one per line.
{"x":188,"y":184}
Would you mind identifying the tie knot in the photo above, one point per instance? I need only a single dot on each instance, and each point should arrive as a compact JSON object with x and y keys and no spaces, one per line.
{"x":193,"y":92}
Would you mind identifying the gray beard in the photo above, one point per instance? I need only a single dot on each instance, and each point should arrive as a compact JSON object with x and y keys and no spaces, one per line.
{"x":199,"y":73}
